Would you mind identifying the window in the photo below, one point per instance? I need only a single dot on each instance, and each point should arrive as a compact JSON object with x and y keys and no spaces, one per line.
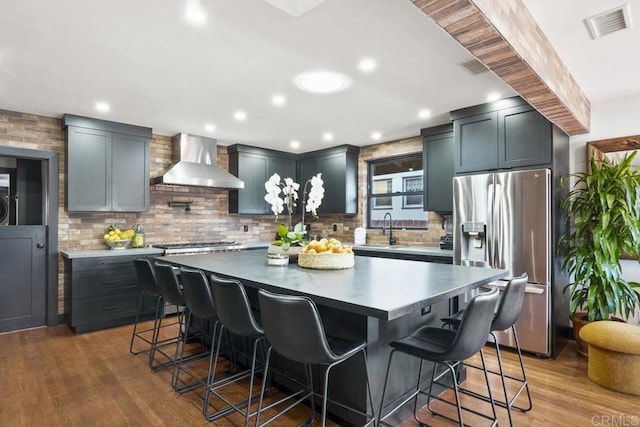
{"x":395,"y":187}
{"x":381,"y":186}
{"x":412,"y":185}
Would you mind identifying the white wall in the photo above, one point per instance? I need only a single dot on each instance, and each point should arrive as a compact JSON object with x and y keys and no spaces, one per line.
{"x":610,"y":118}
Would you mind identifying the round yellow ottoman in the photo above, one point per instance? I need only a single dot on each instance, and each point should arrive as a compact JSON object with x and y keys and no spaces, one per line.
{"x":614,"y":355}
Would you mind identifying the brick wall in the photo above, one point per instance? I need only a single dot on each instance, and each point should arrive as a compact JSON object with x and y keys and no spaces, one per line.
{"x":209,"y":218}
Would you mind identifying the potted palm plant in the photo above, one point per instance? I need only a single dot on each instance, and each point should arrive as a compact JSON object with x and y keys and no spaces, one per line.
{"x":604,"y":206}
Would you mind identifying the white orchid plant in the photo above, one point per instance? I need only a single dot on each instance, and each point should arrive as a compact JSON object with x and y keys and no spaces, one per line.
{"x":281,"y":195}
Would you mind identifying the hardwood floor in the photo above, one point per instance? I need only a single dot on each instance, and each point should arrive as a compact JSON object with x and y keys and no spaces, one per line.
{"x":50,"y":377}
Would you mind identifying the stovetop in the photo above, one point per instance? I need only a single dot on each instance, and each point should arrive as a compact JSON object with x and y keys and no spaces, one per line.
{"x":197,"y":245}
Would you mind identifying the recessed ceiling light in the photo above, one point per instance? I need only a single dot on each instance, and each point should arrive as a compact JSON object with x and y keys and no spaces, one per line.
{"x":424,"y":113}
{"x":322,"y":81}
{"x":194,"y":13}
{"x":209,"y":127}
{"x":376,"y":136}
{"x":103,"y":107}
{"x":327,"y":136}
{"x":278,"y":100}
{"x":367,"y":65}
{"x":240,"y":116}
{"x":494,"y":96}
{"x":295,"y":144}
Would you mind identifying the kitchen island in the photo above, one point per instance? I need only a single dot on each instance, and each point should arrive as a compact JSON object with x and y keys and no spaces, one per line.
{"x":377,"y":301}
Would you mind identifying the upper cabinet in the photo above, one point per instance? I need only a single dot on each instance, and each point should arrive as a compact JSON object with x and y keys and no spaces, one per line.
{"x":437,"y":155}
{"x":501,"y":135}
{"x":107,"y":166}
{"x":254,"y":166}
{"x":338,"y":165}
{"x":339,"y":168}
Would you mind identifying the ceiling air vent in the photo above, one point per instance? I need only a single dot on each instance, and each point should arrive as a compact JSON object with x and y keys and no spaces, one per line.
{"x":610,"y":21}
{"x":474,"y":66}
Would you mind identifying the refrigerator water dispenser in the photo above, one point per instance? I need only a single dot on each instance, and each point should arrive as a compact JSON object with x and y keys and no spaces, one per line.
{"x":474,"y":244}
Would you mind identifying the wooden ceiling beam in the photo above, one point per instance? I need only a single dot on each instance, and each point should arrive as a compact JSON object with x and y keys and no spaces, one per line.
{"x":504,"y":37}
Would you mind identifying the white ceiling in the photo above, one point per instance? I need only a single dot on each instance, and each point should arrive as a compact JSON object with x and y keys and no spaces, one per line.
{"x":157,"y":70}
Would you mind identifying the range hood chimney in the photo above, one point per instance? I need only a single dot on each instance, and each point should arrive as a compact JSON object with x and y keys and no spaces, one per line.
{"x":194,"y":164}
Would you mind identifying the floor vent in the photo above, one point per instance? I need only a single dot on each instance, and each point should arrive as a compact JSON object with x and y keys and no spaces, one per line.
{"x":474,"y":66}
{"x":610,"y":21}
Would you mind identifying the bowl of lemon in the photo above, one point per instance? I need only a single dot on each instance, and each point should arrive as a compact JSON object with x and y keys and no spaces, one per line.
{"x":117,"y":239}
{"x":326,"y":254}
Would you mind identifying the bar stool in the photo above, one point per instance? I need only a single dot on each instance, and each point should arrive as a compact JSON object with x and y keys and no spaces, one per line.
{"x":234,"y":312}
{"x":505,"y":317}
{"x":294,"y":329}
{"x":145,"y":273}
{"x":449,"y":348}
{"x":199,"y":299}
{"x":171,"y":291}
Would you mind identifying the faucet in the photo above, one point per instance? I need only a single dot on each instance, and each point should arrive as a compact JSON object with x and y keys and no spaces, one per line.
{"x":392,"y":240}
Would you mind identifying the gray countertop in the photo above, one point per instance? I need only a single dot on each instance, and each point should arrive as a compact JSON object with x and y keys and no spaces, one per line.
{"x":378,"y":287}
{"x":411,"y":250}
{"x":111,"y":252}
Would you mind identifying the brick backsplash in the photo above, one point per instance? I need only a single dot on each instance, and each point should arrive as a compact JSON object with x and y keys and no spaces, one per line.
{"x":209,"y":218}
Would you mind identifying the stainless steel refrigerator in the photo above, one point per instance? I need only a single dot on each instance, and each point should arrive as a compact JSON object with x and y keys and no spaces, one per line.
{"x":503,"y":220}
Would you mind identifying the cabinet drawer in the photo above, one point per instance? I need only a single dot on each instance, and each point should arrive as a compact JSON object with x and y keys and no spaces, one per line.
{"x":105,"y":264}
{"x":98,"y":309}
{"x":92,"y":284}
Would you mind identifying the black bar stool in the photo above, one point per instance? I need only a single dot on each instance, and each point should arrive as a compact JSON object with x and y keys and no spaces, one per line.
{"x":505,"y":317}
{"x":449,"y":348}
{"x":171,"y":291}
{"x":294,"y":329}
{"x":146,"y":276}
{"x":198,"y":297}
{"x":234,"y":312}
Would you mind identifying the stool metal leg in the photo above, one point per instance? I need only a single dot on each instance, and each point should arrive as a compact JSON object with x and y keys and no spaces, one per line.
{"x":525,"y":383}
{"x":306,"y":392}
{"x":415,"y":402}
{"x":137,"y":334}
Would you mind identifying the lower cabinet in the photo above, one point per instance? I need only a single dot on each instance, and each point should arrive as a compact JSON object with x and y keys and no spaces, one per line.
{"x":103,"y":292}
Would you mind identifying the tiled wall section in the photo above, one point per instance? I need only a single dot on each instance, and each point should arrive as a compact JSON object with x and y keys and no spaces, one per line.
{"x":209,"y":218}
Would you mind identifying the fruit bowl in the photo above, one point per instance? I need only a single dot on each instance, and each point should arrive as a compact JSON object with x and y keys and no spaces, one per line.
{"x":118,"y":244}
{"x":326,"y":261}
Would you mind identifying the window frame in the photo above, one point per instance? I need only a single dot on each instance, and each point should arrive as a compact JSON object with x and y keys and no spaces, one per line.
{"x":383,"y":195}
{"x":370,"y":194}
{"x":420,"y":193}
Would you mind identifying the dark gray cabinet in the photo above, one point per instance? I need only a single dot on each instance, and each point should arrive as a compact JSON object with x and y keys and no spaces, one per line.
{"x":524,"y":138}
{"x":476,"y":143}
{"x":338,"y":165}
{"x":107,"y":166}
{"x":339,"y":168}
{"x":254,"y":166}
{"x":437,"y":155}
{"x":502,"y":135}
{"x":103,"y":292}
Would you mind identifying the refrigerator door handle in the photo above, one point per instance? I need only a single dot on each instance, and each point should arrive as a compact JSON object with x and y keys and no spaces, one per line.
{"x":498,"y":227}
{"x":503,"y":284}
{"x":490,"y":226}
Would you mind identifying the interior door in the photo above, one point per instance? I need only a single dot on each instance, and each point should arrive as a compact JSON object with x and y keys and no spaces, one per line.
{"x":22,"y":277}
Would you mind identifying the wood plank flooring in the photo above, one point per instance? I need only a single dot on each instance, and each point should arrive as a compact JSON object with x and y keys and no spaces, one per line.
{"x":51,"y":377}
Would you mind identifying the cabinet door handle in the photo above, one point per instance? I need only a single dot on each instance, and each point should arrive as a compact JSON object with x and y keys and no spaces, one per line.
{"x":111,"y":307}
{"x":40,"y":245}
{"x":110,"y":282}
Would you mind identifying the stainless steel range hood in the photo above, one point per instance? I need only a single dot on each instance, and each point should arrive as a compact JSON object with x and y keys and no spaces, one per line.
{"x":194,"y":164}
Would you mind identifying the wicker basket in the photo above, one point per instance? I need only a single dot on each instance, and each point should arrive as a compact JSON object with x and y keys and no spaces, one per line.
{"x":326,"y":261}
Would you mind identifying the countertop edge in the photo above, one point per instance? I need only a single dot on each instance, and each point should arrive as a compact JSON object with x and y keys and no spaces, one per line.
{"x":98,"y":253}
